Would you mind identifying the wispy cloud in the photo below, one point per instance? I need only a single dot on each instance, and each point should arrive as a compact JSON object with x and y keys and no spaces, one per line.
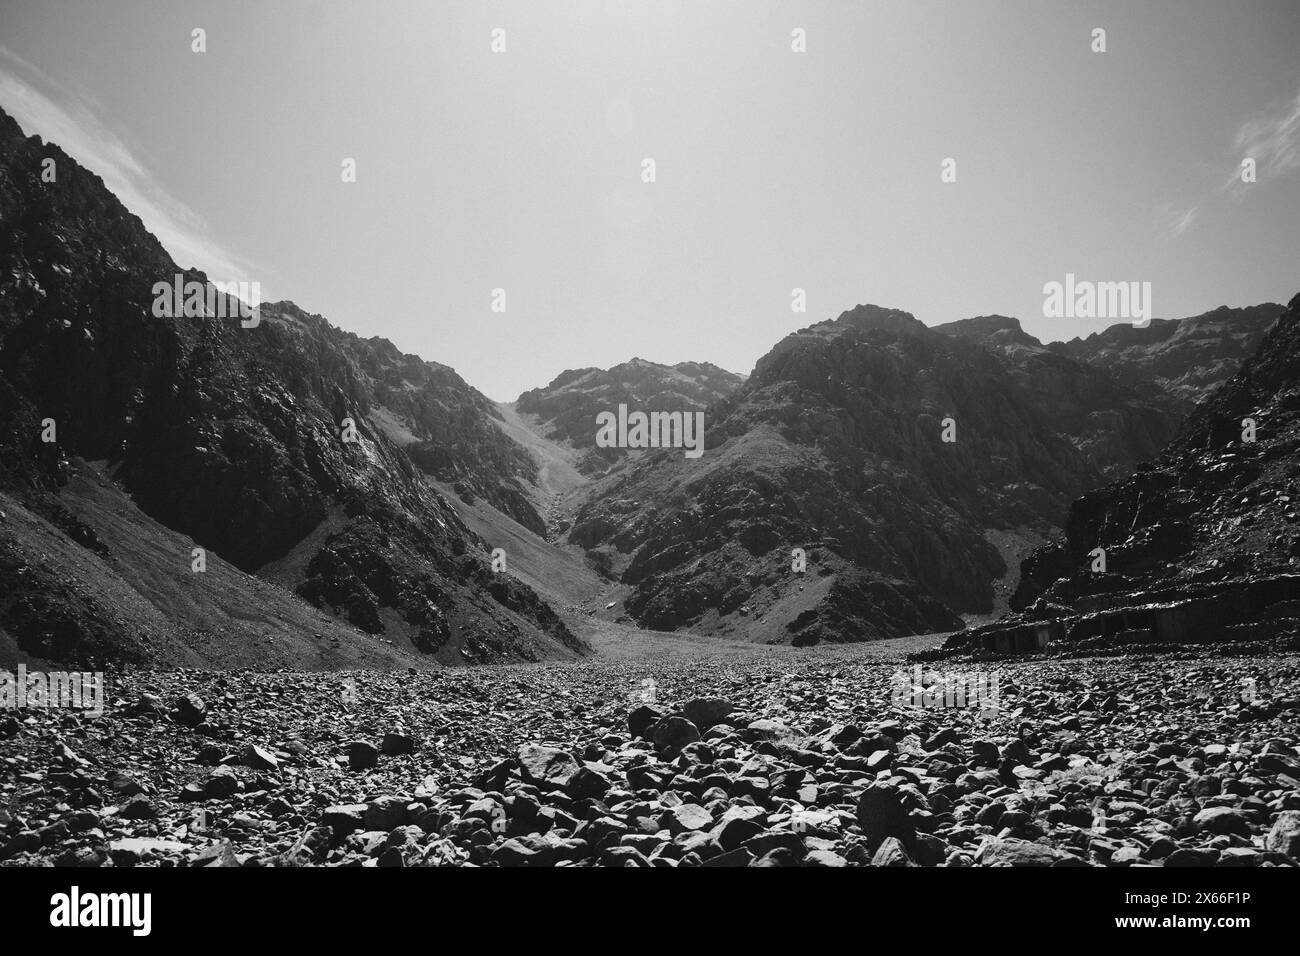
{"x":1173,"y":220}
{"x":1272,"y":139}
{"x":68,"y":119}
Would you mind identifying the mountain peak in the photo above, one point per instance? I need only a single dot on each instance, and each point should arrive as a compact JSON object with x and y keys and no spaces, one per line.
{"x":995,"y":330}
{"x":868,"y":317}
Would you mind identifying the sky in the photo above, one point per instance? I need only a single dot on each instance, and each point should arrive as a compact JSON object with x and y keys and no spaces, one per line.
{"x":774,"y":170}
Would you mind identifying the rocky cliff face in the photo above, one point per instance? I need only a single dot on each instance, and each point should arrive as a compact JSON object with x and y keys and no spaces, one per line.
{"x":1202,"y":543}
{"x":835,"y":444}
{"x":236,"y":437}
{"x":445,"y":426}
{"x":1114,"y":423}
{"x":566,"y":409}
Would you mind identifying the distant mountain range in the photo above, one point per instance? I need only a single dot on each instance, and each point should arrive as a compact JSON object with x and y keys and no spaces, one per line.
{"x":835,"y":445}
{"x":872,"y":477}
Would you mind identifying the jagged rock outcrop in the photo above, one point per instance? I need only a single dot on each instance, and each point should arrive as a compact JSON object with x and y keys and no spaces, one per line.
{"x":566,"y":409}
{"x":234,"y":437}
{"x":1201,"y":544}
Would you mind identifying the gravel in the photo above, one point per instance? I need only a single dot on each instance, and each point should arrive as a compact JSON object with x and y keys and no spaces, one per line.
{"x":767,"y":761}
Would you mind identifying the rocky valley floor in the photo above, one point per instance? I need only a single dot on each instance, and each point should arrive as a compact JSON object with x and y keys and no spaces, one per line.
{"x":769,"y":757}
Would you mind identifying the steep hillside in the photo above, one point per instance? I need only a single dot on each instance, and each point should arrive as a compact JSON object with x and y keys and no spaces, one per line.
{"x":1201,"y":544}
{"x":237,"y":438}
{"x":1113,"y":424}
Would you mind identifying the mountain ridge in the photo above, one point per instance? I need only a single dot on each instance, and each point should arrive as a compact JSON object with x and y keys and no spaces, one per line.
{"x":247,"y":441}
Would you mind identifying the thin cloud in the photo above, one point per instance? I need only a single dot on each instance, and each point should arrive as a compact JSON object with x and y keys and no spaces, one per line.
{"x":1176,"y":220}
{"x":1272,"y":139}
{"x":72,"y":125}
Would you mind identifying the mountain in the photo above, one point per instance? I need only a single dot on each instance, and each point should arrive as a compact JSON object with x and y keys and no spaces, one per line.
{"x":1179,"y":360}
{"x":1113,"y":424}
{"x":127,"y":440}
{"x":450,"y":430}
{"x":872,"y":476}
{"x":1201,"y":544}
{"x":835,"y":444}
{"x":566,"y":409}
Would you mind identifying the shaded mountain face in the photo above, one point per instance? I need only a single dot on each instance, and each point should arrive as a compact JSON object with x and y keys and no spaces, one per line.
{"x":836,"y":445}
{"x":1201,"y":544}
{"x":235,"y":438}
{"x":1178,"y":361}
{"x":567,"y":408}
{"x":1113,"y":423}
{"x":445,"y":426}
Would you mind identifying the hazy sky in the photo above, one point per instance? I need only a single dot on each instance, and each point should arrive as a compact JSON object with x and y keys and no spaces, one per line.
{"x":775,"y":169}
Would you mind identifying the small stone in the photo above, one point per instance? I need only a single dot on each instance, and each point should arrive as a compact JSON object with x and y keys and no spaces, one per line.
{"x":123,"y":784}
{"x":1006,"y":852}
{"x":386,"y":813}
{"x":222,"y":783}
{"x":524,"y":851}
{"x":142,"y":845}
{"x":190,"y":710}
{"x":881,"y":814}
{"x":1222,"y":820}
{"x":891,"y":853}
{"x":673,"y":733}
{"x":737,"y":857}
{"x":707,"y":711}
{"x":642,"y":718}
{"x":1276,"y":763}
{"x":547,"y":767}
{"x":823,"y":858}
{"x":689,"y":817}
{"x":1240,"y":856}
{"x":218,"y":855}
{"x":766,"y":729}
{"x":587,"y":783}
{"x":259,"y":758}
{"x":138,"y":808}
{"x":345,"y":818}
{"x":397,"y":745}
{"x":362,"y":755}
{"x":1126,"y":856}
{"x":1284,"y":837}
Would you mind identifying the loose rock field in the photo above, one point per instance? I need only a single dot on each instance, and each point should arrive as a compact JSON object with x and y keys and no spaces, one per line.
{"x":781,"y":760}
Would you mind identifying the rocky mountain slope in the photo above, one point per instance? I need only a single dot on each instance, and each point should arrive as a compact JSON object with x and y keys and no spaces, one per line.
{"x":566,"y":409}
{"x":235,"y":438}
{"x":1180,"y":360}
{"x":1201,"y":544}
{"x":1113,"y":424}
{"x":835,"y":444}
